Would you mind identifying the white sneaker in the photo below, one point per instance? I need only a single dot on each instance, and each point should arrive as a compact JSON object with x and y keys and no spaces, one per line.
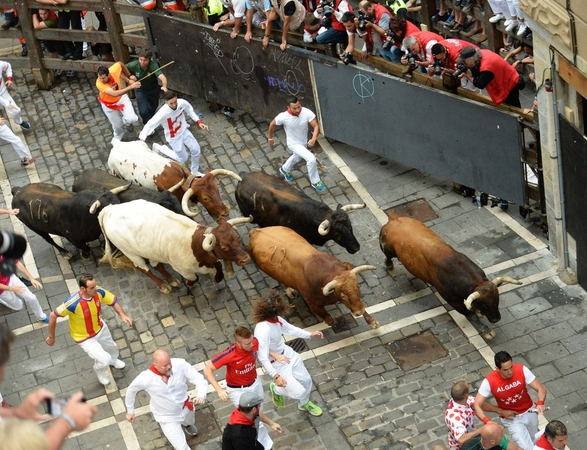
{"x":497,"y":18}
{"x":507,"y":22}
{"x":522,"y":29}
{"x":103,"y":378}
{"x":118,"y":364}
{"x":512,"y":26}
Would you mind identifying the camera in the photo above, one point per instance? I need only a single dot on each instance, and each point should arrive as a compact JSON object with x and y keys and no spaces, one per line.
{"x":437,"y":67}
{"x":363,"y":21}
{"x":392,"y":38}
{"x":461,"y":68}
{"x":12,"y":247}
{"x":327,"y":7}
{"x":56,"y":405}
{"x":347,"y":58}
{"x":412,"y":58}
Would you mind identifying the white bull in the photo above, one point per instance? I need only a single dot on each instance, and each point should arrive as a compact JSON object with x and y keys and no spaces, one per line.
{"x":144,"y":231}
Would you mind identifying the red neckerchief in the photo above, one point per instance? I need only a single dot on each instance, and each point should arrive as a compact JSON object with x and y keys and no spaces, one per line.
{"x":292,"y":114}
{"x":543,"y":443}
{"x":238,"y":418}
{"x":276,"y":320}
{"x":164,"y":377}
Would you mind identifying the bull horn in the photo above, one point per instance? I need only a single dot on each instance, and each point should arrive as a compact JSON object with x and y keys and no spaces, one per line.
{"x":94,"y":207}
{"x":209,"y":242}
{"x":500,"y":280}
{"x":176,"y":186}
{"x":120,"y":189}
{"x":329,"y":288}
{"x":470,"y":299}
{"x":352,"y":206}
{"x":184,"y":203}
{"x":360,"y":269}
{"x":239,"y":220}
{"x":324,"y":228}
{"x":230,"y":173}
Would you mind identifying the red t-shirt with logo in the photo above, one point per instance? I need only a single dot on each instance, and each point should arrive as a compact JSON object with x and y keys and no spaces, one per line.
{"x":510,"y":393}
{"x":241,"y":366}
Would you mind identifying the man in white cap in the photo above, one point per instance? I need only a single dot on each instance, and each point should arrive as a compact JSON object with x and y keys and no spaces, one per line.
{"x":170,"y":403}
{"x":241,"y":431}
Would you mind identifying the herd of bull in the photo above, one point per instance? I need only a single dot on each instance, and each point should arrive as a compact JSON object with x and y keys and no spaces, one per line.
{"x":145,"y":212}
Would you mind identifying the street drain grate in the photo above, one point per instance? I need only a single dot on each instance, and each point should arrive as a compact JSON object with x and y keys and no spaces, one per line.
{"x":417,"y":209}
{"x":344,"y":323}
{"x":417,"y":350}
{"x":207,"y":427}
{"x":299,"y":345}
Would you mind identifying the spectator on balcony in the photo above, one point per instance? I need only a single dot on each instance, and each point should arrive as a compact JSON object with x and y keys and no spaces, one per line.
{"x":292,"y":15}
{"x":330,"y":16}
{"x":237,"y":9}
{"x":43,"y":19}
{"x":257,"y":11}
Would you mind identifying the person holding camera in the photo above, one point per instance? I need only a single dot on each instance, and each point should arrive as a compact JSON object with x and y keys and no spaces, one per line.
{"x":87,"y":327}
{"x":330,"y":13}
{"x":399,"y":28}
{"x":444,"y":60}
{"x":418,"y":48}
{"x":170,"y":402}
{"x":375,"y":18}
{"x":13,"y":291}
{"x":487,"y":70}
{"x":350,"y":23}
{"x":76,"y":415}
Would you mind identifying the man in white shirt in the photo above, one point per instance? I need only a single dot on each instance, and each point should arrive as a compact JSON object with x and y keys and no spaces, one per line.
{"x":295,"y":122}
{"x":172,"y":117}
{"x":166,"y":382}
{"x":287,"y":369}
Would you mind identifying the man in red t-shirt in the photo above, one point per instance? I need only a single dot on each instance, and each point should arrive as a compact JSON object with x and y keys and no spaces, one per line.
{"x":553,"y":438}
{"x":240,"y":360}
{"x":507,"y":383}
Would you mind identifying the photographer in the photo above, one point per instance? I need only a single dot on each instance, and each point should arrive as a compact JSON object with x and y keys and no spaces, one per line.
{"x":402,"y":28}
{"x":418,"y":47}
{"x":350,"y":23}
{"x":76,"y":416}
{"x":487,"y":70}
{"x":444,"y":60}
{"x":374,"y":18}
{"x":330,"y":13}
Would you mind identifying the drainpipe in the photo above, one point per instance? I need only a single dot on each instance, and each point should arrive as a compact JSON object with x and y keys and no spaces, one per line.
{"x":557,"y":138}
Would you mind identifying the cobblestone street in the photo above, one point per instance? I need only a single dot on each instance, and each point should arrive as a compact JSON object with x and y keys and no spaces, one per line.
{"x":369,"y":400}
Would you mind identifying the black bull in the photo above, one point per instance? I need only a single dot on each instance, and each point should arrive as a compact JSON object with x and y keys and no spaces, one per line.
{"x":97,"y":180}
{"x":273,"y":202}
{"x":48,"y":209}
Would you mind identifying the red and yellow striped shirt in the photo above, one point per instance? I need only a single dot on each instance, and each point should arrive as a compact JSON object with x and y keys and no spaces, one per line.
{"x":84,"y":315}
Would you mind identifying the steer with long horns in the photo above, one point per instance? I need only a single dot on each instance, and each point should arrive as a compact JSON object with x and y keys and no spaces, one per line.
{"x":320,"y":278}
{"x":461,"y":282}
{"x":134,"y":161}
{"x":143,"y":231}
{"x":48,"y":209}
{"x":272,"y":202}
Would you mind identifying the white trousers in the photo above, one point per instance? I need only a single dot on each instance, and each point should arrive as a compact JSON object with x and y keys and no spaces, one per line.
{"x":10,"y":106}
{"x":515,"y":9}
{"x":102,"y":349}
{"x":13,"y":300}
{"x":120,"y":118}
{"x":502,"y":7}
{"x":299,"y":381}
{"x":8,"y":135}
{"x":301,"y":152}
{"x":523,"y":428}
{"x":179,"y":154}
{"x":174,"y":433}
{"x":235,"y":395}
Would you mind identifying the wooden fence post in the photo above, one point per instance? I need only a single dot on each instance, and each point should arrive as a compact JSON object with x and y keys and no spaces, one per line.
{"x":115,"y":30}
{"x":43,"y":77}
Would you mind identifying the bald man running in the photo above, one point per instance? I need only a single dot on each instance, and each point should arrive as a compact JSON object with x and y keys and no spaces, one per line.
{"x":166,"y":382}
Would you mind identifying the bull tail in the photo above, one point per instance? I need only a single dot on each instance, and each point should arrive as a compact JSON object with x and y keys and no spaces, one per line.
{"x":118,"y":260}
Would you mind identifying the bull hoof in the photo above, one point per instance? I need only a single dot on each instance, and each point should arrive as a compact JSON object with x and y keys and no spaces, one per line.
{"x":165,"y":288}
{"x":87,"y":256}
{"x":67,"y":256}
{"x":174,"y":282}
{"x":479,"y":315}
{"x":389,"y":264}
{"x":374,"y":325}
{"x":488,"y":335}
{"x":190,"y":283}
{"x":291,"y":293}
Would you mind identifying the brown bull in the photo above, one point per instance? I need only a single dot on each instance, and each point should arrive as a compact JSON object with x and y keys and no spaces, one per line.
{"x":424,"y":254}
{"x":320,"y":278}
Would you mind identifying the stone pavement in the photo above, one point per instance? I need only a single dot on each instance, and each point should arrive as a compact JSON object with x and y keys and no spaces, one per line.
{"x":369,"y":400}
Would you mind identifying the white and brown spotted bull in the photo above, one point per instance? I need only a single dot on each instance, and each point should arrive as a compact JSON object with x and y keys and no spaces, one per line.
{"x":272,"y":202}
{"x":134,"y":161}
{"x":461,"y":282}
{"x":143,"y":231}
{"x":320,"y":278}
